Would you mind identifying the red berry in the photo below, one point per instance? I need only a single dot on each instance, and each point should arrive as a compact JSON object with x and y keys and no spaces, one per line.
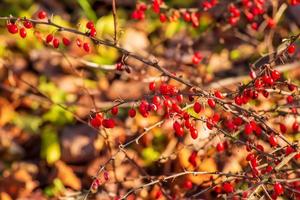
{"x":275,"y":75}
{"x":97,"y":120}
{"x":295,"y":127}
{"x":66,"y":41}
{"x":250,"y":156}
{"x":93,"y":32}
{"x":211,"y":103}
{"x":178,"y":129}
{"x":291,"y":87}
{"x":55,"y":43}
{"x":90,"y":25}
{"x":271,"y":23}
{"x":248,"y":129}
{"x":227,"y":187}
{"x":132,"y":112}
{"x":216,"y":117}
{"x":86,"y":47}
{"x":278,"y":189}
{"x":197,"y":107}
{"x":188,"y":184}
{"x":291,"y":49}
{"x":49,"y":38}
{"x":194,"y":133}
{"x":152,"y":86}
{"x":114,"y":110}
{"x":162,"y":18}
{"x":27,"y":24}
{"x":282,"y":128}
{"x":179,"y":98}
{"x":196,"y":60}
{"x":273,"y":141}
{"x":187,"y":17}
{"x":108,"y":123}
{"x":218,"y":94}
{"x":238,"y":100}
{"x":23,"y":32}
{"x":290,"y":99}
{"x":42,"y":14}
{"x":192,"y":158}
{"x":220,"y":147}
{"x":289,"y":150}
{"x":12,"y":28}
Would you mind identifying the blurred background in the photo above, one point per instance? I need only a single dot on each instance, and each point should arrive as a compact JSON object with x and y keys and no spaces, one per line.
{"x":46,"y":152}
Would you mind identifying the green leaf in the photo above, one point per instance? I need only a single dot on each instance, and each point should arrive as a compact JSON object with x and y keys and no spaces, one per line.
{"x":58,"y":115}
{"x":27,"y":122}
{"x":150,"y":155}
{"x":88,"y":11}
{"x":50,"y":145}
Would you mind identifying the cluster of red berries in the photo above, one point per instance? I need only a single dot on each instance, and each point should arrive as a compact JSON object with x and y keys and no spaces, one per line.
{"x":139,"y":12}
{"x":98,"y":120}
{"x":15,"y":27}
{"x":23,"y":24}
{"x":252,"y":10}
{"x":97,"y":182}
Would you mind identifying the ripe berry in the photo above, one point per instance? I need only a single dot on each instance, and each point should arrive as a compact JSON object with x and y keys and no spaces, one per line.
{"x":291,"y":49}
{"x":86,"y":47}
{"x":291,"y":87}
{"x":192,"y":158}
{"x":188,"y":184}
{"x":42,"y":14}
{"x":218,"y":94}
{"x":273,"y":141}
{"x":55,"y":43}
{"x":194,"y":133}
{"x":66,"y":41}
{"x":178,"y":129}
{"x":90,"y":25}
{"x":289,"y":150}
{"x":295,"y":127}
{"x":290,"y":99}
{"x":238,"y":100}
{"x":27,"y":24}
{"x":93,"y":32}
{"x":114,"y":110}
{"x":227,"y":187}
{"x":250,"y":156}
{"x":162,"y":18}
{"x":278,"y":189}
{"x":197,"y":107}
{"x":179,"y":98}
{"x":23,"y":32}
{"x":220,"y":147}
{"x":282,"y":128}
{"x":211,"y":103}
{"x":97,"y":120}
{"x":187,"y":17}
{"x":132,"y":113}
{"x":271,"y":23}
{"x":254,"y":26}
{"x":12,"y":28}
{"x":248,"y":129}
{"x":152,"y":86}
{"x":49,"y":38}
{"x":275,"y":75}
{"x":108,"y":123}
